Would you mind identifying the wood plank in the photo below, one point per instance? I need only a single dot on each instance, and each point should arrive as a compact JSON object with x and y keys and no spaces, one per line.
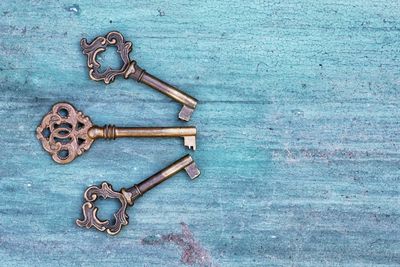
{"x":298,"y":133}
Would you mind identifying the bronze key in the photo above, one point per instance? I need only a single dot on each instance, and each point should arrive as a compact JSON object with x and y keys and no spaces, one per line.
{"x":130,"y":69}
{"x":128,"y":196}
{"x":66,"y":133}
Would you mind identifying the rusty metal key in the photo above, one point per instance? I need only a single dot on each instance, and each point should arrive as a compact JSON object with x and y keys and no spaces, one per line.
{"x":66,"y":133}
{"x":128,"y":196}
{"x":130,"y":69}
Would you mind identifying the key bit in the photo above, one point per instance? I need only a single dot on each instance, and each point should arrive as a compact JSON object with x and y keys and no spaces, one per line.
{"x":128,"y":196}
{"x":130,"y":69}
{"x":66,"y":133}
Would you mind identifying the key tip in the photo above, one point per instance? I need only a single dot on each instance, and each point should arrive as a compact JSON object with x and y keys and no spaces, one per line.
{"x":185,"y":113}
{"x":193,"y":171}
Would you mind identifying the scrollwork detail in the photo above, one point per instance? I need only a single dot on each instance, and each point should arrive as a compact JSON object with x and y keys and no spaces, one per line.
{"x":89,"y":210}
{"x":63,"y":133}
{"x":98,"y":45}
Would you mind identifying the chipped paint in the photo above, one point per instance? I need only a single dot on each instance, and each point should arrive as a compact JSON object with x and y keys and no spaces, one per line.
{"x":73,"y":9}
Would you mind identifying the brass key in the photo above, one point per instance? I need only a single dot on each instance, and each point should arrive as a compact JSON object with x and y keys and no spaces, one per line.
{"x":128,"y":196}
{"x":66,"y":133}
{"x":130,"y":69}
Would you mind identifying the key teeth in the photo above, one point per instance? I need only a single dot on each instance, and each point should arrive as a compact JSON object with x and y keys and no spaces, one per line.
{"x":192,"y":171}
{"x":190,"y":142}
{"x":185,"y":113}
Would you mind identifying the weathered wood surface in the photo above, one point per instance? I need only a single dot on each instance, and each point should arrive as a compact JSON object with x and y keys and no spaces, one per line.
{"x":298,"y":133}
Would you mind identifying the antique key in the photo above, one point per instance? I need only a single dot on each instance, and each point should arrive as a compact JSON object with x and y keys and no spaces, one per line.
{"x":130,"y":69}
{"x":128,"y":196}
{"x":66,"y":133}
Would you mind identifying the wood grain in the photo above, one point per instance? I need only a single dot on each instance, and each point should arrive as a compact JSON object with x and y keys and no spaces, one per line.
{"x":298,"y":127}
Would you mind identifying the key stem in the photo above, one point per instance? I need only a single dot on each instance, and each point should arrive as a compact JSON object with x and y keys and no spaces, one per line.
{"x":168,"y":90}
{"x":138,"y":190}
{"x":112,"y":132}
{"x":140,"y":75}
{"x":164,"y":174}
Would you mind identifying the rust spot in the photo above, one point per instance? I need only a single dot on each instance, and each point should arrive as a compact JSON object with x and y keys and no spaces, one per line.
{"x":192,"y":251}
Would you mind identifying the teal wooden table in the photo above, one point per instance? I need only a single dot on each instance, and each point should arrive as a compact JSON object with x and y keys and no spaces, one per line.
{"x":298,"y":123}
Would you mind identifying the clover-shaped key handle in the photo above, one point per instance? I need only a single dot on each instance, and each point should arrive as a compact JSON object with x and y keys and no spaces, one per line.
{"x":63,"y":133}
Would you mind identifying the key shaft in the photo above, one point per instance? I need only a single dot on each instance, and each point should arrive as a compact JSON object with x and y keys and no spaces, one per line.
{"x":112,"y":132}
{"x":169,"y":90}
{"x":128,"y":196}
{"x":185,"y":162}
{"x":189,"y":103}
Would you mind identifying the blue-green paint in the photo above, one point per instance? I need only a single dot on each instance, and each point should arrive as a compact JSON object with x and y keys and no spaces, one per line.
{"x":298,"y":126}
